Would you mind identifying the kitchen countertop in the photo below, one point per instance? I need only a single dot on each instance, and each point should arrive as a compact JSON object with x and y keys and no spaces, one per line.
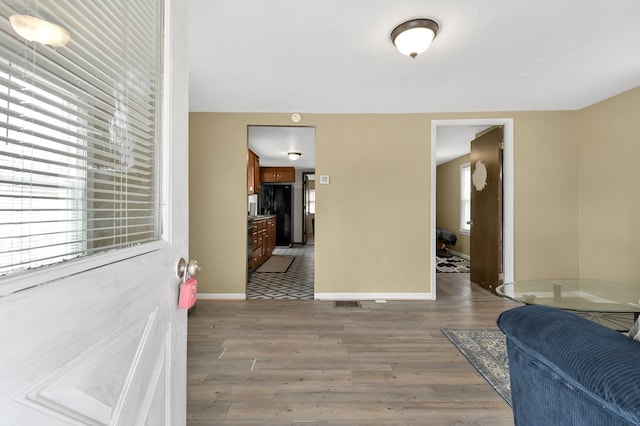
{"x":258,"y":217}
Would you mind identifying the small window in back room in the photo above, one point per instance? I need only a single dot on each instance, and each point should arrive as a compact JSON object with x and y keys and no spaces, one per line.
{"x":311,"y":201}
{"x":465,"y":198}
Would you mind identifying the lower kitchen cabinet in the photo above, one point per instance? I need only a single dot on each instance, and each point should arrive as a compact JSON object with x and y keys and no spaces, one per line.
{"x":264,"y":240}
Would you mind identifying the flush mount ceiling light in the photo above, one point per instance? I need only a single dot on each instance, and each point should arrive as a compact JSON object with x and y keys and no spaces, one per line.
{"x":414,"y":37}
{"x":36,"y":29}
{"x":294,"y":155}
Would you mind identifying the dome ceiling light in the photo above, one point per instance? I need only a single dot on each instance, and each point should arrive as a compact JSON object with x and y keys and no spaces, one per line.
{"x":414,"y":37}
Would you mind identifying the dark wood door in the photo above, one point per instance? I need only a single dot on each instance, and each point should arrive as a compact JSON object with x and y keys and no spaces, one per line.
{"x":486,"y":209}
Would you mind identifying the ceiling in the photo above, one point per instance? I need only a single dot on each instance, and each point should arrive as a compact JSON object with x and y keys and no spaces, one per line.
{"x":272,"y":143}
{"x":335,"y":56}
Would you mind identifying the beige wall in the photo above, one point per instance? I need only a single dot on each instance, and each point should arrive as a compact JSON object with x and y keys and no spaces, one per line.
{"x":218,"y":201}
{"x":448,"y":202}
{"x":372,"y":220}
{"x":370,"y":236}
{"x":546,"y":195}
{"x":609,"y":188}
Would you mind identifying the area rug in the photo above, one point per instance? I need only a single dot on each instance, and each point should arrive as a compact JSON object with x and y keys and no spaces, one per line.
{"x":452,"y":264}
{"x":276,"y":263}
{"x":486,"y":350}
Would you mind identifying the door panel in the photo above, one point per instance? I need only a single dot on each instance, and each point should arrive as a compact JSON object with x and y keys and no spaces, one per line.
{"x":92,"y":348}
{"x":108,"y":346}
{"x":486,"y":209}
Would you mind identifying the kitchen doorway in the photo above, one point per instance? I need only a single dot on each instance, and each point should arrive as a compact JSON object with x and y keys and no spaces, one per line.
{"x":285,"y":156}
{"x":438,"y":129}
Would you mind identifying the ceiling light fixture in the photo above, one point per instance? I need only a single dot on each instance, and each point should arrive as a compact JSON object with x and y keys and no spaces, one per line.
{"x":414,"y":37}
{"x":35,"y":29}
{"x":294,"y":155}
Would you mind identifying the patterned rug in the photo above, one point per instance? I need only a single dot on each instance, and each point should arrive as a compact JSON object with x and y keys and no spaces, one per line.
{"x":276,"y":263}
{"x":452,"y":264}
{"x":486,"y":350}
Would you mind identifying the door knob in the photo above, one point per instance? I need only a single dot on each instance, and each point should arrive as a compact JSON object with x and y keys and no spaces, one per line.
{"x":192,"y":268}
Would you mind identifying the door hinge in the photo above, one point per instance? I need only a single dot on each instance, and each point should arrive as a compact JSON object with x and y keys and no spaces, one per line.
{"x":501,"y":145}
{"x":501,"y":276}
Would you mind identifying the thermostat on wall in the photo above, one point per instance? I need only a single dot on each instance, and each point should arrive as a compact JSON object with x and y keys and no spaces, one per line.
{"x":324,"y":179}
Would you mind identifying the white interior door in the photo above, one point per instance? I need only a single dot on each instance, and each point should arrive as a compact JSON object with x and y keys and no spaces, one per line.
{"x":107,"y":346}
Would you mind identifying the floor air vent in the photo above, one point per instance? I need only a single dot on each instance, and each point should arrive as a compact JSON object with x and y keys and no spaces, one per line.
{"x":346,"y":304}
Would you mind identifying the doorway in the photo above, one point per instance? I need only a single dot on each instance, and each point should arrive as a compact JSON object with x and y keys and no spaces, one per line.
{"x":282,"y":175}
{"x":508,"y":199}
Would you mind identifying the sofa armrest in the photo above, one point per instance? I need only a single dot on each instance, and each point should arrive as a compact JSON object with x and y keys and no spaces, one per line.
{"x":559,"y":358}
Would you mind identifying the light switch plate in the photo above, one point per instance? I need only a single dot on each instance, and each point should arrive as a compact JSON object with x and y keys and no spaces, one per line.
{"x":324,"y":179}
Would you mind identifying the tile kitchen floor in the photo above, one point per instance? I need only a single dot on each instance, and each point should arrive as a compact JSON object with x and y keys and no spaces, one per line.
{"x":296,"y":283}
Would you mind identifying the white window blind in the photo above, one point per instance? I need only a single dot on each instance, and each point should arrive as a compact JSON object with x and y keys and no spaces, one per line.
{"x":79,"y":132}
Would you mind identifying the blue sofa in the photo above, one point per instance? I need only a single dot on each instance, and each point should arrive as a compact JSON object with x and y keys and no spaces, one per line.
{"x":567,"y":370}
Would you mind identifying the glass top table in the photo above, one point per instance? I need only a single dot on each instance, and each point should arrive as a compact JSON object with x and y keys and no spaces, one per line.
{"x":606,"y":302}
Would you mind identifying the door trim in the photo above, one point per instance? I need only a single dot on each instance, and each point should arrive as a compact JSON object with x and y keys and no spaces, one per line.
{"x":507,"y":195}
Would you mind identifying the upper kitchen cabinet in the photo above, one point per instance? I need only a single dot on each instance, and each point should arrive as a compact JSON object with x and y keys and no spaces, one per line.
{"x":253,"y":173}
{"x":278,"y":174}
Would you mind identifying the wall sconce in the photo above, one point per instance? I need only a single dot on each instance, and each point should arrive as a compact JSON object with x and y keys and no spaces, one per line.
{"x":414,"y":37}
{"x":294,"y":155}
{"x":36,"y":29}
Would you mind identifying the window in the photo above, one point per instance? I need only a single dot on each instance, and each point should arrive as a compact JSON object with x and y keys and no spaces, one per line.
{"x":465,"y":198}
{"x":79,"y":127}
{"x":311,"y":200}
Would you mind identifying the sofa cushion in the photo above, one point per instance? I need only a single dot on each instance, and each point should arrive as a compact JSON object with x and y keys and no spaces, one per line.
{"x":599,"y":363}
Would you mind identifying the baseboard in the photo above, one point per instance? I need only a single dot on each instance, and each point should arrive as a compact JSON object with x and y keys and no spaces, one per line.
{"x":462,"y":255}
{"x":222,"y":296}
{"x":374,"y":296}
{"x":330,"y":296}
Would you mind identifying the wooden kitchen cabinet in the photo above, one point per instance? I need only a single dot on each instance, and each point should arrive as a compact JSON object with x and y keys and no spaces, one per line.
{"x":258,"y":243}
{"x":277,"y":174}
{"x":271,"y":235}
{"x":253,"y":173}
{"x":264,"y":240}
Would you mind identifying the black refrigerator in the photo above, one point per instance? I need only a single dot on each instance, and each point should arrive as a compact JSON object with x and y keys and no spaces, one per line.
{"x":275,"y":199}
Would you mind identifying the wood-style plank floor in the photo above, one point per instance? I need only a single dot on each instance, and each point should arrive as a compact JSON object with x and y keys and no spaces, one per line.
{"x":305,"y":362}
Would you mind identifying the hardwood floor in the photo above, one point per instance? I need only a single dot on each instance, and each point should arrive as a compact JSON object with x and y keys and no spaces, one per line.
{"x":292,"y":362}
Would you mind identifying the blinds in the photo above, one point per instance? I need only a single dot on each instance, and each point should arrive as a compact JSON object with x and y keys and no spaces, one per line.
{"x":79,"y":132}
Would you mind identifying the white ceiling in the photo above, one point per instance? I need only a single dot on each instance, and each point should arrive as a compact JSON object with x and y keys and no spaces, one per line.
{"x":335,"y":56}
{"x":272,"y":143}
{"x":454,"y":141}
